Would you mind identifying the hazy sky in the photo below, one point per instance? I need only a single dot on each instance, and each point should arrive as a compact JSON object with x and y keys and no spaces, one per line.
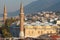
{"x":13,"y":5}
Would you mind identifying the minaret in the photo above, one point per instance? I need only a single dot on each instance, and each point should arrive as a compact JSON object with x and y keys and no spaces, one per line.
{"x":21,"y":21}
{"x":4,"y":14}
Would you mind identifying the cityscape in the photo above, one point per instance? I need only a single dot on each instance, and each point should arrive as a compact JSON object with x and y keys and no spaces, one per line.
{"x":41,"y":25}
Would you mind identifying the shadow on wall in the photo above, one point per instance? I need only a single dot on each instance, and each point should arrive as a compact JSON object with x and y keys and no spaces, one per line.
{"x":41,"y":37}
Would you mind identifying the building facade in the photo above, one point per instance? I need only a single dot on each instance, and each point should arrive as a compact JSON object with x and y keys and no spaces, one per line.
{"x":36,"y":31}
{"x":33,"y":31}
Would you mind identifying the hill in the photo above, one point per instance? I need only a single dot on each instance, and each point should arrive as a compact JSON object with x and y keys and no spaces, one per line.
{"x":39,"y":5}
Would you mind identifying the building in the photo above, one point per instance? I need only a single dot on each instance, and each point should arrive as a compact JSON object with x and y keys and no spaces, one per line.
{"x":55,"y":37}
{"x":32,"y":29}
{"x":4,"y":14}
{"x":36,"y":31}
{"x":58,"y":22}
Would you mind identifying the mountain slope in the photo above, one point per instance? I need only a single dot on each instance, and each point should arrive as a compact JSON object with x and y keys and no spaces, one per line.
{"x":55,"y":7}
{"x":39,"y":5}
{"x":42,"y":5}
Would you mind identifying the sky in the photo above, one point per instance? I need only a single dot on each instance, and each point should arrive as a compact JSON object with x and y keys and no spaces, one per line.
{"x":13,"y":5}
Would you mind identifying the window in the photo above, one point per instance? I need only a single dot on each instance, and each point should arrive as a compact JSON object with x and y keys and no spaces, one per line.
{"x":41,"y":32}
{"x":38,"y":32}
{"x":50,"y":32}
{"x":32,"y":32}
{"x":47,"y":32}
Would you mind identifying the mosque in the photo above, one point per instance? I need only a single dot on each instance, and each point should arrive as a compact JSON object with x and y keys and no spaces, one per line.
{"x":33,"y":30}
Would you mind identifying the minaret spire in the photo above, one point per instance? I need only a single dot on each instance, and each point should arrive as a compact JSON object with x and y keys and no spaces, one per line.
{"x":21,"y":21}
{"x":5,"y":14}
{"x":21,"y":8}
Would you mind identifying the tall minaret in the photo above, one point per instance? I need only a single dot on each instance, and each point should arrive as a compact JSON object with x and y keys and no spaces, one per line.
{"x":21,"y":21}
{"x":4,"y":14}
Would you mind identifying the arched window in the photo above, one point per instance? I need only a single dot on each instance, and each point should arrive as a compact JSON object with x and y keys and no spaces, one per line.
{"x":47,"y":32}
{"x":38,"y":32}
{"x":41,"y":32}
{"x":50,"y":32}
{"x":32,"y":32}
{"x":29,"y":32}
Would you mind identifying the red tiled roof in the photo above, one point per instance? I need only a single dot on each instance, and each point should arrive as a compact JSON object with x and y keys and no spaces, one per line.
{"x":54,"y":37}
